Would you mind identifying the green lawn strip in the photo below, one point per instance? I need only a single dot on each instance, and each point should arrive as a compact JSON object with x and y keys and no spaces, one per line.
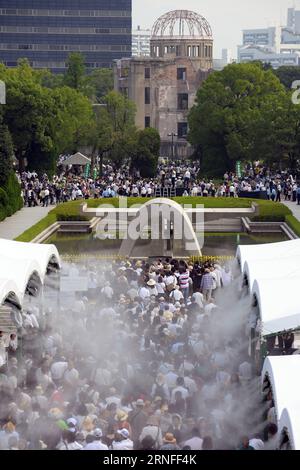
{"x":38,"y":228}
{"x":293,"y":223}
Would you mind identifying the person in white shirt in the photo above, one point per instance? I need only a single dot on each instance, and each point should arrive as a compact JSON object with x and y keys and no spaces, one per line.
{"x":122,"y":440}
{"x":198,"y":298}
{"x":69,"y":441}
{"x":195,"y":443}
{"x":107,"y":291}
{"x":96,"y":444}
{"x":176,"y":294}
{"x":144,"y":292}
{"x":71,"y":375}
{"x":179,"y":388}
{"x":58,"y":369}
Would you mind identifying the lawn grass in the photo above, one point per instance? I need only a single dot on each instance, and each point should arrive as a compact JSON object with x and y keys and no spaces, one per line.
{"x":70,"y":211}
{"x":293,"y":223}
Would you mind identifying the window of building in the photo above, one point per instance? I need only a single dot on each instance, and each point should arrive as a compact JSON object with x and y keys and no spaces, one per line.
{"x":147,"y":95}
{"x":147,"y":121}
{"x":183,"y":101}
{"x":181,"y":73}
{"x":182,"y":129}
{"x":147,"y":72}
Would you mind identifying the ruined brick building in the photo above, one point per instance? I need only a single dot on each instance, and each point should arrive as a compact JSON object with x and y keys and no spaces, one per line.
{"x":164,"y":85}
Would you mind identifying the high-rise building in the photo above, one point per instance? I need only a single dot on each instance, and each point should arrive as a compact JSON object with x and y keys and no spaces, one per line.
{"x":260,"y":37}
{"x":164,"y":86}
{"x":141,"y":42}
{"x":47,"y":31}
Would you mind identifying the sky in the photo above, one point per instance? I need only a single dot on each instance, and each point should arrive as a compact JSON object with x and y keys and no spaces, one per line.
{"x":226,"y":17}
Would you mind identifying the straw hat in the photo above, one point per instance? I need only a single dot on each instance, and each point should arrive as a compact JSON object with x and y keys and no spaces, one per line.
{"x":121,"y":415}
{"x":151,"y":283}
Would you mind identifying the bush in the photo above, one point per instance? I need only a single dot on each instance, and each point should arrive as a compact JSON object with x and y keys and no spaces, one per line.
{"x":272,"y":212}
{"x":293,"y":223}
{"x":10,"y":197}
{"x":13,"y":191}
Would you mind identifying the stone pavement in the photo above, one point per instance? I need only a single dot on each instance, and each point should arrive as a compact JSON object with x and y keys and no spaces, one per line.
{"x":294,"y":208}
{"x":15,"y":225}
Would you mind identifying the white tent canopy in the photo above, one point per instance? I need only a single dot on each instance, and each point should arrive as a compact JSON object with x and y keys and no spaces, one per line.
{"x":77,"y":159}
{"x":20,"y":271}
{"x":290,"y":419}
{"x":9,"y":289}
{"x":283,"y":373}
{"x":279,"y":304}
{"x":273,"y":268}
{"x":267,"y":251}
{"x":41,"y":254}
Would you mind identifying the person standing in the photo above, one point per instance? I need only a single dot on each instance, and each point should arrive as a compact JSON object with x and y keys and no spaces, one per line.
{"x":207,"y":284}
{"x":298,"y":195}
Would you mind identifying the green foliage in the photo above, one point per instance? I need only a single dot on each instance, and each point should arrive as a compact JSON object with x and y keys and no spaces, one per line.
{"x":38,"y":228}
{"x":6,"y":153}
{"x":113,"y":132}
{"x":287,"y":75}
{"x":101,"y":82}
{"x":233,"y":114}
{"x":43,"y":121}
{"x":75,"y":71}
{"x":293,"y":223}
{"x":147,"y":152}
{"x":270,"y":211}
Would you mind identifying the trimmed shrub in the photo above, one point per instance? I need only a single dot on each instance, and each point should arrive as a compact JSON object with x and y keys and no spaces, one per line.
{"x":293,"y":223}
{"x":272,"y":212}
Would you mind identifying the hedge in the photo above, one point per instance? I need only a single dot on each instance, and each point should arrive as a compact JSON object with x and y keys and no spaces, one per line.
{"x":10,"y":197}
{"x":293,"y":223}
{"x":270,"y":211}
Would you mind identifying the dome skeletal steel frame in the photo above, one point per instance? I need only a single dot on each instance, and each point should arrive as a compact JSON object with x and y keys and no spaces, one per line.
{"x":188,"y":23}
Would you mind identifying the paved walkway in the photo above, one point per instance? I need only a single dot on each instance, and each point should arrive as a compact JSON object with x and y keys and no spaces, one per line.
{"x":294,"y":208}
{"x":15,"y":225}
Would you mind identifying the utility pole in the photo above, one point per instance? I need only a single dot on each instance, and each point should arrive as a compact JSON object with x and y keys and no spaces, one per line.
{"x":173,"y":135}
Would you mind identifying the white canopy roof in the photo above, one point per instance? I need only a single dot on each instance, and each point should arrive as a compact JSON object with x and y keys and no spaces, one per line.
{"x":41,"y":254}
{"x":290,"y":419}
{"x":77,"y":159}
{"x":273,"y":268}
{"x":20,"y":271}
{"x":279,"y":304}
{"x":283,"y":373}
{"x":9,"y":289}
{"x":267,"y":251}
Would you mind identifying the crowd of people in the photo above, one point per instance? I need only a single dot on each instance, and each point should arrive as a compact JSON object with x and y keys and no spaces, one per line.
{"x":153,"y":355}
{"x":183,"y":179}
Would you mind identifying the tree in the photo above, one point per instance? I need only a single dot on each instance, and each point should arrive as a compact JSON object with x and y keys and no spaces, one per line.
{"x":287,"y":75}
{"x":228,"y":122}
{"x":75,"y":71}
{"x":147,"y":152}
{"x":112,"y":132}
{"x":6,"y":154}
{"x":102,"y":82}
{"x":43,"y":122}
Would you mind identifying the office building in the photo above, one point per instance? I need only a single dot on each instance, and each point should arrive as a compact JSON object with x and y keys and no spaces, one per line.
{"x":47,"y":31}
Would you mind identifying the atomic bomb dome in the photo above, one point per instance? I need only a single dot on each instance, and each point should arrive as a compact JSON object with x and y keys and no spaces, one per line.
{"x":164,"y":86}
{"x":182,"y":33}
{"x":182,"y":24}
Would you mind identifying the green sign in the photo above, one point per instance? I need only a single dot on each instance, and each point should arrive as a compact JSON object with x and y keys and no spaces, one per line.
{"x":239,"y":169}
{"x":87,"y":170}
